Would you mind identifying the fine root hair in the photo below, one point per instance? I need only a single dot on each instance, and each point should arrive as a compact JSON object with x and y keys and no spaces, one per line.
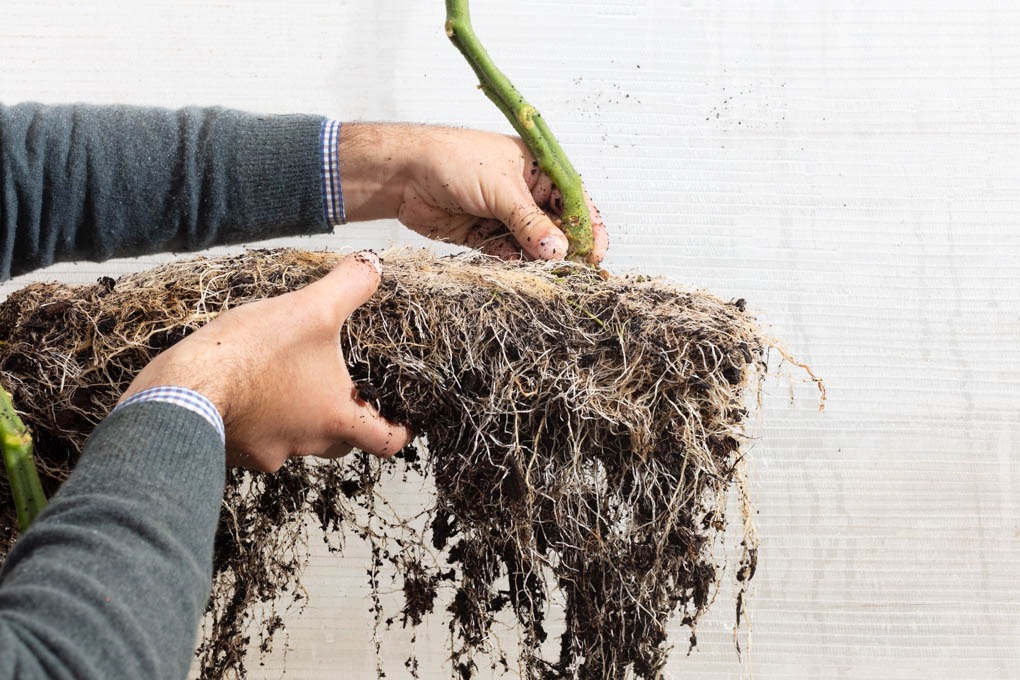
{"x":583,"y":432}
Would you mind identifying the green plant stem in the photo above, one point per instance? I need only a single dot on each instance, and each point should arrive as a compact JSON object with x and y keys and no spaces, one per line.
{"x":29,"y":499}
{"x":529,"y":124}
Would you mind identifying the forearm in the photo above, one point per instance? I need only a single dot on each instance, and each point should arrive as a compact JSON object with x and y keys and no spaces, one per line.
{"x":113,"y":577}
{"x":94,"y":182}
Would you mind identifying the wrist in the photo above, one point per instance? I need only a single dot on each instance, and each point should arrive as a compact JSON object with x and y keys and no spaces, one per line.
{"x":375,"y":162}
{"x":183,"y":397}
{"x":178,"y":368}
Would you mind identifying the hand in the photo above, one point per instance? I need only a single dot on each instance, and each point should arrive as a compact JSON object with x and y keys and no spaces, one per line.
{"x":274,"y":370}
{"x":455,"y":185}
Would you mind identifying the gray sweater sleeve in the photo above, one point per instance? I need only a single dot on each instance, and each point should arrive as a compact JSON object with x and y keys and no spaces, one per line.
{"x":94,"y":182}
{"x":112,"y":578}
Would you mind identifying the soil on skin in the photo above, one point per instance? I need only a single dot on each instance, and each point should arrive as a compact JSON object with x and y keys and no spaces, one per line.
{"x":582,"y":431}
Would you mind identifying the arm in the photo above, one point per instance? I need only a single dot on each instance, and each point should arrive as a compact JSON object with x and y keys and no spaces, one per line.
{"x":95,"y":182}
{"x":89,"y":182}
{"x":111,"y":579}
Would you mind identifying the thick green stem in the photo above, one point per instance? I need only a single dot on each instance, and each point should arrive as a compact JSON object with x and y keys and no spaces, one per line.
{"x":29,"y":499}
{"x":529,"y":124}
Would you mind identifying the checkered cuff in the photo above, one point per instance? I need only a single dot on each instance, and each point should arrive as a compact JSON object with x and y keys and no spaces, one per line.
{"x":183,"y":397}
{"x":332,"y":192}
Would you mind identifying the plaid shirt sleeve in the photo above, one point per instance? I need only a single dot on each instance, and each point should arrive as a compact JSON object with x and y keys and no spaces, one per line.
{"x":183,"y":397}
{"x":332,"y":194}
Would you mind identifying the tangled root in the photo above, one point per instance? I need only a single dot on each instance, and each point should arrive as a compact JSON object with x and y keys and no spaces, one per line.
{"x":582,"y":432}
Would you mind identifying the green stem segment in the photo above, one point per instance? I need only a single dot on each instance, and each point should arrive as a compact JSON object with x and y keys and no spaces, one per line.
{"x":29,"y":499}
{"x":530,"y":125}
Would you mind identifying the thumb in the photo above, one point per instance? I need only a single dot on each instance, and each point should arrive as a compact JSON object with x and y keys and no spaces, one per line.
{"x":349,"y":285}
{"x":534,"y":230}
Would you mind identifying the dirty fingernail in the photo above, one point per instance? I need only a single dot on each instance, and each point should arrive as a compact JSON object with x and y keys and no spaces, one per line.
{"x":371,"y":258}
{"x":553,"y":247}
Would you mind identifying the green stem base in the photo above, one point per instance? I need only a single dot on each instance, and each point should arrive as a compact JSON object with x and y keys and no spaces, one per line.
{"x":29,"y":499}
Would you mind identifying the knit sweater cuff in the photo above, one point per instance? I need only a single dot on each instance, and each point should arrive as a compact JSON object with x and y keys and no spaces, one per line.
{"x":274,"y":165}
{"x":158,"y":445}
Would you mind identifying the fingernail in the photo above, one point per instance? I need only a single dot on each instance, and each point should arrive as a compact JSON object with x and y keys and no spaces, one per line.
{"x":371,"y":258}
{"x":552,"y":247}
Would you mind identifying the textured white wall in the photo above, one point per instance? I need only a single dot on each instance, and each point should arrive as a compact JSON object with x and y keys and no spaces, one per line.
{"x":852,"y":169}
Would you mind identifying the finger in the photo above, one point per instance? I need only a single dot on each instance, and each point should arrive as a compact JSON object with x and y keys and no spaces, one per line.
{"x":600,"y":235}
{"x":374,"y":434}
{"x":367,"y":430}
{"x":529,"y":224}
{"x":556,"y":201}
{"x":541,"y":188}
{"x":484,"y":231}
{"x":349,"y":285}
{"x":492,"y":238}
{"x":503,"y":247}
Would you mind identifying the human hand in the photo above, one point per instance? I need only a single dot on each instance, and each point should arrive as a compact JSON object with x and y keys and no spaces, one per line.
{"x":274,"y":370}
{"x":468,"y":187}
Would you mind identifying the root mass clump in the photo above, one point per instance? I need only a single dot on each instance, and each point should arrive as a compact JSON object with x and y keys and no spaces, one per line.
{"x":582,"y":431}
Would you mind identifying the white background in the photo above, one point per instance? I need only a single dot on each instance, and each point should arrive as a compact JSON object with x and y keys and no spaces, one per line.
{"x":852,"y":169}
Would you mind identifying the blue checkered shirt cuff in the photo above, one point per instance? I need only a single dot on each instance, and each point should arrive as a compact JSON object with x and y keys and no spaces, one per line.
{"x":332,"y":191}
{"x":183,"y":397}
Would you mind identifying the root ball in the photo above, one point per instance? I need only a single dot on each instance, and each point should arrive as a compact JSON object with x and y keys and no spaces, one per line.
{"x":582,"y":432}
